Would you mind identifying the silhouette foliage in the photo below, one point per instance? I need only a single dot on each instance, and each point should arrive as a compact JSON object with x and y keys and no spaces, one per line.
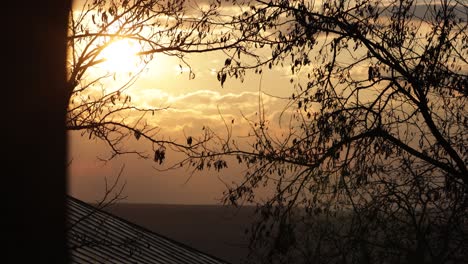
{"x":372,"y":167}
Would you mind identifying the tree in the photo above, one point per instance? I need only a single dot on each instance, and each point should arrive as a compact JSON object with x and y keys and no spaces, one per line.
{"x":373,"y":164}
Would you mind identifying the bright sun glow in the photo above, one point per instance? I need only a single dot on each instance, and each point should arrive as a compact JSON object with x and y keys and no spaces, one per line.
{"x":121,"y":57}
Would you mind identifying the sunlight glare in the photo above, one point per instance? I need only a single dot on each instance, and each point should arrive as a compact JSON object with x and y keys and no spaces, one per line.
{"x":121,"y":57}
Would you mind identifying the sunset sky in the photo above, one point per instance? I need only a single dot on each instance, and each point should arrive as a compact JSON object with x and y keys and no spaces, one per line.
{"x":192,"y":104}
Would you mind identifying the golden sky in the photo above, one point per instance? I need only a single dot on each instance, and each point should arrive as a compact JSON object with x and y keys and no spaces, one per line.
{"x":192,"y":104}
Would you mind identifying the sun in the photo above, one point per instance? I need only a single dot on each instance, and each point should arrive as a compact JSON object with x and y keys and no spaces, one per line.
{"x":121,"y":56}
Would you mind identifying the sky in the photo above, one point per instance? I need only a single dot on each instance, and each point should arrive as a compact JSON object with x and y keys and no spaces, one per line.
{"x":193,"y":103}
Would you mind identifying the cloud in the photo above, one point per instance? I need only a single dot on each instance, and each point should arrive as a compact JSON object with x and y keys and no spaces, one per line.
{"x":207,"y":107}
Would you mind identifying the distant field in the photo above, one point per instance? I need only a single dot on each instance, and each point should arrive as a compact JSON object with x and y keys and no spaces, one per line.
{"x":216,"y":230}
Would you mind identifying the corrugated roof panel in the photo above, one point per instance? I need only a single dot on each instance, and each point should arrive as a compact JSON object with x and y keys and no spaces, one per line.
{"x":97,"y":236}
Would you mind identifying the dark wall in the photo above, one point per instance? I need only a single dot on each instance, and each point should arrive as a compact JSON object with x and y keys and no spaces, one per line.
{"x":34,"y":141}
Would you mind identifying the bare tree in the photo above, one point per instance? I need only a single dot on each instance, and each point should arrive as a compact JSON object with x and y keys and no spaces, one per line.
{"x":373,"y":165}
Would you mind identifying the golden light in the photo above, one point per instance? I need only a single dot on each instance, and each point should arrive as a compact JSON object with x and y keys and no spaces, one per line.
{"x":121,"y":57}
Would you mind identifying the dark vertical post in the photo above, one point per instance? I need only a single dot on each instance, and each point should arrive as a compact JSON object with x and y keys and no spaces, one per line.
{"x":34,"y":139}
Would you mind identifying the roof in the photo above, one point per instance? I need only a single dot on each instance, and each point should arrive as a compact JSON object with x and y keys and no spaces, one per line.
{"x":96,"y":236}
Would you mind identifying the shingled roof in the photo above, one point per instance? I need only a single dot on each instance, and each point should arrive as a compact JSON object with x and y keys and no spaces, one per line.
{"x":96,"y":236}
